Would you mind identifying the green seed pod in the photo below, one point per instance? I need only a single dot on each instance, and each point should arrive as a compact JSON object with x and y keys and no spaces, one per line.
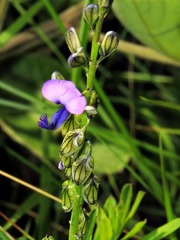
{"x":57,"y":75}
{"x":72,"y":142}
{"x":91,"y":14}
{"x":109,"y":44}
{"x":72,"y":40}
{"x":76,"y":60}
{"x":69,"y":125}
{"x":68,"y":195}
{"x":90,"y":190}
{"x":82,"y":169}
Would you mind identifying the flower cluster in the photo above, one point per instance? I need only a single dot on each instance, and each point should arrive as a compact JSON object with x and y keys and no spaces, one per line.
{"x":75,"y":111}
{"x":75,"y":152}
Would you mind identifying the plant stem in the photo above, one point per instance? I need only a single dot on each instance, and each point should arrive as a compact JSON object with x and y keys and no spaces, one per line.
{"x":94,"y":53}
{"x":74,"y":222}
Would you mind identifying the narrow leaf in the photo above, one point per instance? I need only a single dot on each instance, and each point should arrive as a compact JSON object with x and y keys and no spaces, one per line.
{"x":163,"y":231}
{"x":138,"y":226}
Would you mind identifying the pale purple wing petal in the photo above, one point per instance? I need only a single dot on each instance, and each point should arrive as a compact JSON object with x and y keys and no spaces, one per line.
{"x":69,"y":95}
{"x":54,"y":89}
{"x":76,"y":105}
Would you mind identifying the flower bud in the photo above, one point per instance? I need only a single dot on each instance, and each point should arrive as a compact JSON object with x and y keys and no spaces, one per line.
{"x":68,"y":195}
{"x":76,"y":60}
{"x":90,"y":190}
{"x":109,"y":44}
{"x":91,"y":111}
{"x":91,"y":14}
{"x":72,"y":40}
{"x":61,"y":165}
{"x":57,"y":75}
{"x":82,"y":169}
{"x":104,"y":6}
{"x":72,"y":142}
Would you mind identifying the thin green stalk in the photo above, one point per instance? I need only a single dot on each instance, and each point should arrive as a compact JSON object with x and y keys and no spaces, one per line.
{"x":83,"y":36}
{"x":41,"y":33}
{"x":74,"y":222}
{"x":54,"y":15}
{"x":167,"y":200}
{"x":94,"y":52}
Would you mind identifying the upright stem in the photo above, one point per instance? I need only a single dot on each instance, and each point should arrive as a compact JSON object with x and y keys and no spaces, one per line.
{"x":74,"y":222}
{"x":94,"y":52}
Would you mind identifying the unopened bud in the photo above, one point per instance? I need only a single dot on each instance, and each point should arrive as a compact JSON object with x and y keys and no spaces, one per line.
{"x":104,"y":6}
{"x":72,"y":40}
{"x":91,"y":111}
{"x":68,"y":195}
{"x":76,"y":60}
{"x":82,"y":169}
{"x":109,"y":44}
{"x":91,"y":14}
{"x":57,"y":75}
{"x":72,"y":142}
{"x":90,"y":190}
{"x":61,"y":165}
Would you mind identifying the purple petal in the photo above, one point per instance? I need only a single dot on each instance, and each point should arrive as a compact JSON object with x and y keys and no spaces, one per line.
{"x":76,"y":105}
{"x":61,"y":165}
{"x":43,"y":121}
{"x":57,"y":119}
{"x":55,"y":91}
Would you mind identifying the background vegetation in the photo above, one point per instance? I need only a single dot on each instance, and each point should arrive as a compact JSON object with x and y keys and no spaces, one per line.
{"x":135,"y":135}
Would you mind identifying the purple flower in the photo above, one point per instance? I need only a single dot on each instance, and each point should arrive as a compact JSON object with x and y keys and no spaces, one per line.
{"x":65,"y":94}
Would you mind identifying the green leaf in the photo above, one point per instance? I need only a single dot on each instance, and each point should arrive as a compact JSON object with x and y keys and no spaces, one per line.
{"x":3,"y":235}
{"x":163,"y":231}
{"x":17,"y":25}
{"x":154,"y":23}
{"x":104,"y":227}
{"x":109,"y":158}
{"x":125,"y":199}
{"x":135,"y":205}
{"x":109,"y":205}
{"x":138,"y":226}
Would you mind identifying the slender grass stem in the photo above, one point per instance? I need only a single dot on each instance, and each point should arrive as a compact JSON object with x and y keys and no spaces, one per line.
{"x":167,"y":200}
